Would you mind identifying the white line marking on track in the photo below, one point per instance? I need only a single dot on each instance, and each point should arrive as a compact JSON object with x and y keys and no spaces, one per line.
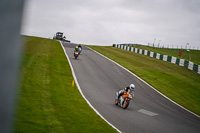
{"x":79,"y":88}
{"x":146,"y":83}
{"x":147,"y":112}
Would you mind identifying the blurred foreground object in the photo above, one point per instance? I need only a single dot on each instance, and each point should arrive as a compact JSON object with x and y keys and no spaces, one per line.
{"x":10,"y":49}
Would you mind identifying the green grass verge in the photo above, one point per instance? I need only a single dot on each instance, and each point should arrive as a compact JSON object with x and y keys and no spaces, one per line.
{"x":194,"y":55}
{"x":47,"y":102}
{"x":178,"y":83}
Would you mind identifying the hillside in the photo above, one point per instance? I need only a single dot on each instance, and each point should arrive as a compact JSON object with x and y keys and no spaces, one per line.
{"x":47,"y":102}
{"x":192,"y":55}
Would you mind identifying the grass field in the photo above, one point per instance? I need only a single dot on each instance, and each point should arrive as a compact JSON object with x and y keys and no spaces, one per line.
{"x":193,"y":55}
{"x":47,"y":102}
{"x":178,"y":83}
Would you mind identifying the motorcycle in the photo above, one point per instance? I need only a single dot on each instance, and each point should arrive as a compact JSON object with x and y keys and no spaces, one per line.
{"x":76,"y":54}
{"x":124,"y":100}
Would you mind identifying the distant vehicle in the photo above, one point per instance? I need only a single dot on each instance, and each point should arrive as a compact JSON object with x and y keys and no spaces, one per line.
{"x":59,"y":36}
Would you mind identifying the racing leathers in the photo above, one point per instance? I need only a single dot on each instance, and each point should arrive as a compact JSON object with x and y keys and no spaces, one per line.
{"x":121,"y":92}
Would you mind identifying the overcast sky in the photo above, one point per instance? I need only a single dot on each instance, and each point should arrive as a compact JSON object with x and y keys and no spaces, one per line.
{"x":107,"y":22}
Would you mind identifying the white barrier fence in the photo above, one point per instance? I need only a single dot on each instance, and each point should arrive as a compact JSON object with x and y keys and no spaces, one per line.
{"x":181,"y":62}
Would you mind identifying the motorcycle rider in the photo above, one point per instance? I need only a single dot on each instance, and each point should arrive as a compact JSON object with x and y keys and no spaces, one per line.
{"x":76,"y":49}
{"x":131,"y":87}
{"x":80,"y":48}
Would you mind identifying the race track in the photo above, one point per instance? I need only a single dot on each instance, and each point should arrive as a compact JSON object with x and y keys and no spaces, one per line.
{"x":148,"y":112}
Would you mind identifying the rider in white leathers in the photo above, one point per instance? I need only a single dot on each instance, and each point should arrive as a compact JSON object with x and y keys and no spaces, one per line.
{"x":131,"y":87}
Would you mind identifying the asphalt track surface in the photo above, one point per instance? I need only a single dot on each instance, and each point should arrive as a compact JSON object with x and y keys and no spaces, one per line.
{"x":148,"y":112}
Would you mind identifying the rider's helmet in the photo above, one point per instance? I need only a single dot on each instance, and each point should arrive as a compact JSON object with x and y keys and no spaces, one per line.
{"x":132,"y":86}
{"x":76,"y":49}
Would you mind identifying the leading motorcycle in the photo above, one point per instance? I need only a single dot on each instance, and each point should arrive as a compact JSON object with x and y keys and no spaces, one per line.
{"x":76,"y":53}
{"x":124,"y":100}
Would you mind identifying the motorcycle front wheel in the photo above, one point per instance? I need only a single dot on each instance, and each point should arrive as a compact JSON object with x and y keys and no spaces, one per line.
{"x":125,"y":104}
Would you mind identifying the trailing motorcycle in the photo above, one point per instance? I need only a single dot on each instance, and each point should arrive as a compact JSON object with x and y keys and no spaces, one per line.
{"x":80,"y":49}
{"x":124,"y":100}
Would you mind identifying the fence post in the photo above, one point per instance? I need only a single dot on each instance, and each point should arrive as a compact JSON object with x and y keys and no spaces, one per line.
{"x":154,"y":55}
{"x":135,"y":50}
{"x":165,"y":57}
{"x":195,"y":67}
{"x":151,"y":54}
{"x":181,"y":62}
{"x":148,"y":53}
{"x":177,"y":61}
{"x":161,"y":57}
{"x":173,"y":60}
{"x":190,"y":66}
{"x":157,"y":56}
{"x":145,"y":52}
{"x":186,"y":63}
{"x":169,"y":58}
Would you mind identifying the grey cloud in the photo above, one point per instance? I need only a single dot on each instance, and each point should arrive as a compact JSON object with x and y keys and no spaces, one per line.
{"x":106,"y":22}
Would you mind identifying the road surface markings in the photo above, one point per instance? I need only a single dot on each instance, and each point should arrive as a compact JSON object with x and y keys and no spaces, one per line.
{"x":147,"y":112}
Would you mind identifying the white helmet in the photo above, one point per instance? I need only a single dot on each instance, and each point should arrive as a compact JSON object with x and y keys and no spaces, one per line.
{"x":132,"y":86}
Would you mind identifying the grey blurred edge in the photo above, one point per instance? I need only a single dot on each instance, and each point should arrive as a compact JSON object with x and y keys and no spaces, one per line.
{"x":11,"y":12}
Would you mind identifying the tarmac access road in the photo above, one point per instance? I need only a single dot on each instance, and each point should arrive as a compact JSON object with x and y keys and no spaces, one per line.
{"x":148,"y":111}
